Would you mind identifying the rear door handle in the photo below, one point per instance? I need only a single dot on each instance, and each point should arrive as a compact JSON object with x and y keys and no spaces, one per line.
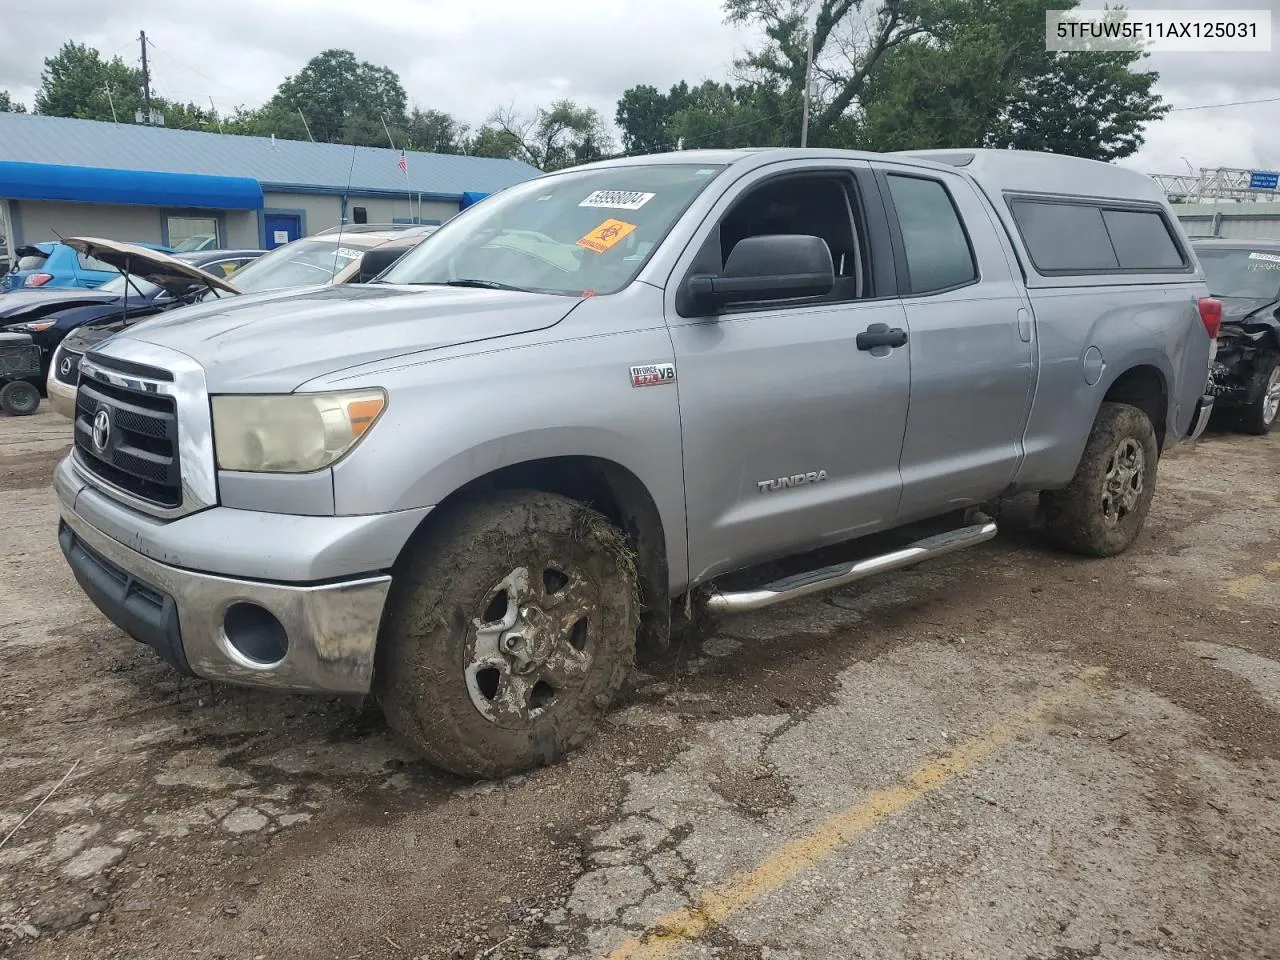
{"x":881,"y":335}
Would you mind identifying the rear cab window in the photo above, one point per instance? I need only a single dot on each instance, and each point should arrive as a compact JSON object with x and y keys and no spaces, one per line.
{"x":937,"y":249}
{"x":1082,"y":237}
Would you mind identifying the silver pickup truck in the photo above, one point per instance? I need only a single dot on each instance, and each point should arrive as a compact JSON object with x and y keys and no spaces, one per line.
{"x":471,"y":486}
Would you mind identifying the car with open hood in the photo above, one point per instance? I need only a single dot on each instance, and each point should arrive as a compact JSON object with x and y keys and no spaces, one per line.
{"x":335,"y":256}
{"x":147,"y":282}
{"x":1245,"y":376}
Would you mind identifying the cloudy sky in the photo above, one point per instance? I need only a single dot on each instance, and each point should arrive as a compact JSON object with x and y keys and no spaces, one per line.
{"x":468,"y":57}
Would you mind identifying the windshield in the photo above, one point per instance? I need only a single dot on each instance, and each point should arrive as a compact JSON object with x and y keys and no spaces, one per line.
{"x":298,"y":264}
{"x":134,"y":285}
{"x":571,"y":233}
{"x":1241,"y":273}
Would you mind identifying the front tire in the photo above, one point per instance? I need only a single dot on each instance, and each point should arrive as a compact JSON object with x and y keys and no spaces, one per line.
{"x":19,"y":398}
{"x":1259,"y":417}
{"x":510,"y":630}
{"x":1101,"y":511}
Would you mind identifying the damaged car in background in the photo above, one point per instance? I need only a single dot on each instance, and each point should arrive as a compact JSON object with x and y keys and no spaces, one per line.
{"x":1245,"y":375}
{"x":149,"y":282}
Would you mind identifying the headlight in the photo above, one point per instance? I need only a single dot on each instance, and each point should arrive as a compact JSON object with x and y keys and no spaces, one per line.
{"x":35,"y":326}
{"x":291,"y":433}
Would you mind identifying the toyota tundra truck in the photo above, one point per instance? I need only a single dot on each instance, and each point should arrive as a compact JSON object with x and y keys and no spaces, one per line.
{"x":472,"y":486}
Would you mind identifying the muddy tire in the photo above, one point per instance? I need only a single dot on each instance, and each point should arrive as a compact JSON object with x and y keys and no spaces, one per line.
{"x":510,"y":630}
{"x":1101,"y":511}
{"x":19,"y":398}
{"x":1260,"y":416}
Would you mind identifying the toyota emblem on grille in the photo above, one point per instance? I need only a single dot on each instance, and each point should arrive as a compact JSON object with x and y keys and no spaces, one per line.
{"x":65,"y":366}
{"x":101,"y":429}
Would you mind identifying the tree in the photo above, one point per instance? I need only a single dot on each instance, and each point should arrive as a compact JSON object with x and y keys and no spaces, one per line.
{"x":644,"y":116}
{"x":9,"y":105}
{"x":982,"y":78}
{"x":77,"y":82}
{"x":551,"y":138}
{"x":434,"y":131}
{"x":344,"y":100}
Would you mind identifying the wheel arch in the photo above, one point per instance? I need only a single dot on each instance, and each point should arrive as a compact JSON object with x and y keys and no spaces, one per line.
{"x":1145,"y":386}
{"x":606,"y":486}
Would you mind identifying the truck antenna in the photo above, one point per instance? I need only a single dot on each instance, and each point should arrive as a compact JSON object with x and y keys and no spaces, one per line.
{"x":342,"y":210}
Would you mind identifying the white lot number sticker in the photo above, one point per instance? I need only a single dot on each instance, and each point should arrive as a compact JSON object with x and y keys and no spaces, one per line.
{"x":348,"y":254}
{"x":1269,"y":257}
{"x":617,"y":199}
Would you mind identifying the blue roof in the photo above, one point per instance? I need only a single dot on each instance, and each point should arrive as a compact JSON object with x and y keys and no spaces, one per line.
{"x":278,"y":165}
{"x":55,"y":181}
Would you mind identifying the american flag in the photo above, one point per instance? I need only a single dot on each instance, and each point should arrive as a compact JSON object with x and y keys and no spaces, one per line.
{"x":403,"y":163}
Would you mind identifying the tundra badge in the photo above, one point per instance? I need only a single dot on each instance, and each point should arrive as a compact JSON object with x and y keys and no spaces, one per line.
{"x":653,"y":374}
{"x":795,"y":480}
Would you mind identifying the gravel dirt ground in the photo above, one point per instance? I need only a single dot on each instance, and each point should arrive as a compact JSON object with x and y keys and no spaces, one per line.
{"x":1007,"y":753}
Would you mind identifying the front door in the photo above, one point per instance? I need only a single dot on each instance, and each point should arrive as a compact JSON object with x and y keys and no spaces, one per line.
{"x":791,"y":433}
{"x":971,"y":346}
{"x":281,"y":228}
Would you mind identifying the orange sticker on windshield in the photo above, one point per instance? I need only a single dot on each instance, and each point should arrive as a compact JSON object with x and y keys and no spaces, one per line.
{"x":605,"y":236}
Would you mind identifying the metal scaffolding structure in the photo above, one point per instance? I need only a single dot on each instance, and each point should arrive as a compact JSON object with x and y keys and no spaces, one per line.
{"x":1219,"y":183}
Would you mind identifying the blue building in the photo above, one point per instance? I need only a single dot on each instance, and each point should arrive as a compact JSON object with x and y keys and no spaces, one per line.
{"x":152,"y":184}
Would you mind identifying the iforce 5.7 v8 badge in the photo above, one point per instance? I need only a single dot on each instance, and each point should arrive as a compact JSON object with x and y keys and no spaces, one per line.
{"x":653,"y":374}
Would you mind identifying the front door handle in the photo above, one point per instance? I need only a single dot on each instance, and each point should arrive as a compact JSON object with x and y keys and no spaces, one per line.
{"x":881,"y":335}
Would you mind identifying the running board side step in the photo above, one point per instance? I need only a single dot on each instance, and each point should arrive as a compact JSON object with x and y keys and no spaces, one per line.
{"x":841,"y":574}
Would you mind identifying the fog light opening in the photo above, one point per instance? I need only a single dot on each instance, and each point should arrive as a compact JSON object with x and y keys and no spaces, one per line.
{"x":255,"y":634}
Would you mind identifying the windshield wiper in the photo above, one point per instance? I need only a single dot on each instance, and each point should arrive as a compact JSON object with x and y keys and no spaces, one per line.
{"x":486,"y":284}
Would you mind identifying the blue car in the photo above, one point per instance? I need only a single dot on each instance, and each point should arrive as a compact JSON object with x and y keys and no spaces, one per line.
{"x":53,"y":265}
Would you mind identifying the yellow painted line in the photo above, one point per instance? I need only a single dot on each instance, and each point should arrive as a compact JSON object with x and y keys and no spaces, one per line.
{"x":1241,"y":587}
{"x":841,"y":828}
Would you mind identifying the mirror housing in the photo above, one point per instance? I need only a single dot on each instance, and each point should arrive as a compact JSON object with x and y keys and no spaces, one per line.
{"x":377,"y":260}
{"x":766,"y":268}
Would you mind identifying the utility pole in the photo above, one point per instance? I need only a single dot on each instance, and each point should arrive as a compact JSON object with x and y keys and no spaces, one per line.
{"x":146,"y":80}
{"x":808,"y":71}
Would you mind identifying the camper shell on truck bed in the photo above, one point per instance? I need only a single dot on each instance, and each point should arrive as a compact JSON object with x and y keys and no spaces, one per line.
{"x":471,"y":486}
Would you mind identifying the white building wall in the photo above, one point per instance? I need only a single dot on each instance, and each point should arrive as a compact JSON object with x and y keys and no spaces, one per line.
{"x":321,"y":211}
{"x":39,"y":220}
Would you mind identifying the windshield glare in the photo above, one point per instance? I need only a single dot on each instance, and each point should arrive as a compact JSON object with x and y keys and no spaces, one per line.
{"x":299,"y":264}
{"x":1242,"y":273}
{"x":570,"y":233}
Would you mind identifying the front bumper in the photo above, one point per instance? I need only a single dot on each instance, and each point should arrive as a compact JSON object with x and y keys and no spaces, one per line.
{"x":1200,"y":419}
{"x":331,"y":626}
{"x":62,"y":396}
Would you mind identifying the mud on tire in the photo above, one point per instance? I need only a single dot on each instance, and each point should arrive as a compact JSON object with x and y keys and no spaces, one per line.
{"x":511,"y":627}
{"x":1260,"y":416}
{"x":1101,"y":511}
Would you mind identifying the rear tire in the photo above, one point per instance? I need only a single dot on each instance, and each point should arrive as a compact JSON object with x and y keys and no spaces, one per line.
{"x":510,"y":630}
{"x":1101,"y":511}
{"x":1260,"y":416}
{"x":19,"y":398}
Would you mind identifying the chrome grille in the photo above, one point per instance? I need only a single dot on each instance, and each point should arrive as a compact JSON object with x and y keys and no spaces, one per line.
{"x":137,"y":451}
{"x":68,"y":368}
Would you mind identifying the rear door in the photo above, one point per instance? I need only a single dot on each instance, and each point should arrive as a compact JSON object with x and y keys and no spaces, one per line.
{"x":972,"y":349}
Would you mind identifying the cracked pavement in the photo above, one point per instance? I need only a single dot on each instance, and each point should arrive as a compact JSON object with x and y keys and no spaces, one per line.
{"x":1007,"y":753}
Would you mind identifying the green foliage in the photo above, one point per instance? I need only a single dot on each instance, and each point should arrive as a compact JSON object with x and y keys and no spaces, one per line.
{"x":904,"y":74}
{"x":77,"y":82}
{"x":551,"y":138}
{"x":9,"y":105}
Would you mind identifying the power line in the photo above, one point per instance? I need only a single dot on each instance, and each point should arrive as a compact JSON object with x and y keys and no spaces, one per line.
{"x":1233,"y":103}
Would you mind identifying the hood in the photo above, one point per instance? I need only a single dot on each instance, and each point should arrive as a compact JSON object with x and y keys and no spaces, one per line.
{"x":165,"y":271}
{"x":276,"y":342}
{"x":19,"y":306}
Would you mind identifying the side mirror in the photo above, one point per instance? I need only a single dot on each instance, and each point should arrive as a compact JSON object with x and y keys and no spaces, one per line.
{"x":375,"y":261}
{"x":770,"y":267}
